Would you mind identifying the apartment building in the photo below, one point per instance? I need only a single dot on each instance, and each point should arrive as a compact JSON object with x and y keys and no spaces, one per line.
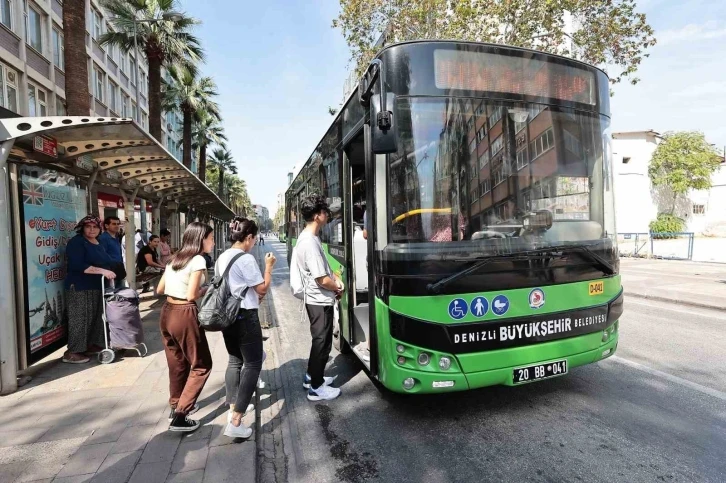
{"x":33,"y":72}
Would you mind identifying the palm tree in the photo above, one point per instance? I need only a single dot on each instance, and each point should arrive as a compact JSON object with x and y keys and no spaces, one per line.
{"x":167,"y":41}
{"x":222,"y":159}
{"x":190,"y":94}
{"x":207,"y":130}
{"x":75,"y":58}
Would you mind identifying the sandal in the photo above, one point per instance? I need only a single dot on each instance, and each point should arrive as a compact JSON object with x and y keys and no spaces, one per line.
{"x":70,"y":358}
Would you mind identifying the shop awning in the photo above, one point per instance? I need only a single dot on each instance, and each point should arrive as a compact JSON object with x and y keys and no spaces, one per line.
{"x":121,"y":153}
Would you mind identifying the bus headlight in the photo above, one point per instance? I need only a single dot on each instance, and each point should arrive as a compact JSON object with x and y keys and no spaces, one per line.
{"x":408,"y":383}
{"x":423,"y":359}
{"x":444,"y":363}
{"x":400,"y":349}
{"x":605,"y":336}
{"x":401,"y":360}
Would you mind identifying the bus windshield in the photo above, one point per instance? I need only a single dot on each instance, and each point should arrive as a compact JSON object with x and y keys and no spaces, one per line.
{"x":479,"y":170}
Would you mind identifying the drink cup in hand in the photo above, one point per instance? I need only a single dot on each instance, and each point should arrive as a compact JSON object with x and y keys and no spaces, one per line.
{"x":270,"y":259}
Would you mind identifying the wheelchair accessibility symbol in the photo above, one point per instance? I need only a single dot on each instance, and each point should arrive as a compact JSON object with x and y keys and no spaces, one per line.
{"x":458,"y":309}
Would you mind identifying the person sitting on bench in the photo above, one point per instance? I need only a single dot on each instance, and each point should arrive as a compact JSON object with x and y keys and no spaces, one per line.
{"x":147,"y":261}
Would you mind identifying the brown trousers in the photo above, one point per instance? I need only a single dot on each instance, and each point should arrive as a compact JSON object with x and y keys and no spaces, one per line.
{"x":187,"y":354}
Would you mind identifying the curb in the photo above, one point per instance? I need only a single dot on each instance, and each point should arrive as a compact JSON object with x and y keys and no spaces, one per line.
{"x":658,"y":298}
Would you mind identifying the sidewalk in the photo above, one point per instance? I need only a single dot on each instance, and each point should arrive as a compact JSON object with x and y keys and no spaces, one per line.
{"x":688,"y":283}
{"x":108,"y":423}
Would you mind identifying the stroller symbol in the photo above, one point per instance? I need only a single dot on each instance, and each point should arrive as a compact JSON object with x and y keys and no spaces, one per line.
{"x":458,"y":309}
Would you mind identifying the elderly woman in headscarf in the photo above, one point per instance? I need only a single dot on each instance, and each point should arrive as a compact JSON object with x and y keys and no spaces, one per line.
{"x":87,"y":262}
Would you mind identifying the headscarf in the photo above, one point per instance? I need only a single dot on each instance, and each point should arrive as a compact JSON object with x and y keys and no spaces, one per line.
{"x":89,"y":220}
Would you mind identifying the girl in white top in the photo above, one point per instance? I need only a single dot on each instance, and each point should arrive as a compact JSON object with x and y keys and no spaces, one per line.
{"x":243,"y":339}
{"x":185,"y":344}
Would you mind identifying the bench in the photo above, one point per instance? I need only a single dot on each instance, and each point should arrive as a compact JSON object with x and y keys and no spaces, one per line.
{"x":144,"y":278}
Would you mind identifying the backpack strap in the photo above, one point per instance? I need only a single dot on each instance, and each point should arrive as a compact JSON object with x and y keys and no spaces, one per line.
{"x":231,"y":263}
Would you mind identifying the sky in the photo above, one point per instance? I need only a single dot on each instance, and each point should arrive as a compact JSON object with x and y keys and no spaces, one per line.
{"x":278,"y":65}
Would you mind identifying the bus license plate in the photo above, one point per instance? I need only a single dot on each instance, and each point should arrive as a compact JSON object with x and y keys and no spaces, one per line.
{"x":539,"y":371}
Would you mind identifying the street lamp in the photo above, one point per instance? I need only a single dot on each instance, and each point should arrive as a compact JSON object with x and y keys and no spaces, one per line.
{"x":167,"y":16}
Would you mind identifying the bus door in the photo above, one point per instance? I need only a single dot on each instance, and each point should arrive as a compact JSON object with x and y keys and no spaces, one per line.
{"x":355,"y":174}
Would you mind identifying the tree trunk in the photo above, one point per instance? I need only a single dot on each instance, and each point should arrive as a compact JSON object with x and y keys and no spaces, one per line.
{"x":75,"y":58}
{"x":220,"y":187}
{"x":673,"y":206}
{"x":187,"y":138}
{"x":203,"y":162}
{"x":155,"y":96}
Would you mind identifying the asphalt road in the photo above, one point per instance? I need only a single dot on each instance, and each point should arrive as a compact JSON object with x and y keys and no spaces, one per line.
{"x":654,"y":412}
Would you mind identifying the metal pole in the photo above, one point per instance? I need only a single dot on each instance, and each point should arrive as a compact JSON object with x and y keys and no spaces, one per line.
{"x":130,"y":235}
{"x":136,"y":74}
{"x":156,"y":217}
{"x":8,"y":328}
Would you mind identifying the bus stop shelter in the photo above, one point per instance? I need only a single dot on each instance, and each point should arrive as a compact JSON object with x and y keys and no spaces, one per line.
{"x":53,"y":170}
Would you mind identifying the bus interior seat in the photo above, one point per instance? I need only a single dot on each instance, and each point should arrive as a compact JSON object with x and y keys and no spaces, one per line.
{"x":573,"y":230}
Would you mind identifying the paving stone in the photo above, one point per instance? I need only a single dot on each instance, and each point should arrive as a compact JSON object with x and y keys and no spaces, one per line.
{"x":74,"y":479}
{"x":117,"y":468}
{"x":133,"y":438}
{"x":40,"y":470}
{"x":9,"y":472}
{"x":162,"y":446}
{"x":196,"y":476}
{"x":151,"y":472}
{"x":106,"y":434}
{"x":86,"y":460}
{"x":202,"y":433}
{"x":191,"y":455}
{"x":233,"y":463}
{"x":81,"y":430}
{"x":25,"y":436}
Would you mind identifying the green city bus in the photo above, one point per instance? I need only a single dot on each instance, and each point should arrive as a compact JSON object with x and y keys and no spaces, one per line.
{"x":281,"y":233}
{"x":484,"y":173}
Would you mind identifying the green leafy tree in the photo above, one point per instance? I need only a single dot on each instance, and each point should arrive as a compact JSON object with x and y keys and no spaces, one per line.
{"x":607,"y":33}
{"x":206,"y":131}
{"x":279,"y":217}
{"x":683,"y":161}
{"x":166,"y":42}
{"x":191,"y":95}
{"x":224,"y":162}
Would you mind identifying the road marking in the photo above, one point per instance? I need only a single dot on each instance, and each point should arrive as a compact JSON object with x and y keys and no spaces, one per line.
{"x":695,"y":311}
{"x":678,"y":380}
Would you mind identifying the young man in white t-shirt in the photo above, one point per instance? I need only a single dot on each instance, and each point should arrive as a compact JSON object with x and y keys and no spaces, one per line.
{"x":322,"y":289}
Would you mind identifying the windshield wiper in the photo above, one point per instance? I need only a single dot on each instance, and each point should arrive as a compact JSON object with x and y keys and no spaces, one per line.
{"x":545,"y":252}
{"x":602,"y":264}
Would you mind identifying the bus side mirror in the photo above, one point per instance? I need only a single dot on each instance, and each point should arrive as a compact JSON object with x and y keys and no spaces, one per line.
{"x":384,"y":135}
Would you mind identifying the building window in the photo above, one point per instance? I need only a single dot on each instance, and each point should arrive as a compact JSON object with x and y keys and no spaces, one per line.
{"x":497,"y":145}
{"x":484,"y":159}
{"x":113,"y":96}
{"x":144,"y":120}
{"x":132,"y":71}
{"x":60,"y":107}
{"x":124,"y":62}
{"x":485,"y":187}
{"x":97,"y":24}
{"x":481,"y":134}
{"x":113,"y":53}
{"x":472,"y":146}
{"x":522,"y":160}
{"x":125,"y":103}
{"x":99,"y":83}
{"x":58,"y":49}
{"x":699,"y":209}
{"x":534,"y":111}
{"x":518,"y":126}
{"x":626,"y":160}
{"x":572,"y":144}
{"x":9,"y":90}
{"x":542,"y":143}
{"x":37,"y":101}
{"x":35,"y":29}
{"x":480,"y":109}
{"x":495,"y":117}
{"x":133,"y":111}
{"x":6,"y":13}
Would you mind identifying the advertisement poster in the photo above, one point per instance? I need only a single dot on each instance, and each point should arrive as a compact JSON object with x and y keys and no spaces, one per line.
{"x":52,"y":205}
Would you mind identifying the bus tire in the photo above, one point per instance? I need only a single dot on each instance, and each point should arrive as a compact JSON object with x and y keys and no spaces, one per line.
{"x":339,"y":342}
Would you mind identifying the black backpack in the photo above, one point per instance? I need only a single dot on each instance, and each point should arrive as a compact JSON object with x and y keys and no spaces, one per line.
{"x":219,"y":308}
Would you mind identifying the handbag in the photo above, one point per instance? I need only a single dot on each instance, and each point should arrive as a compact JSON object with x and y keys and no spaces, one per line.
{"x":219,"y":308}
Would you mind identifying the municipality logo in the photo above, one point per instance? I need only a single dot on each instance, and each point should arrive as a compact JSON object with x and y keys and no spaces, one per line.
{"x":536,"y":298}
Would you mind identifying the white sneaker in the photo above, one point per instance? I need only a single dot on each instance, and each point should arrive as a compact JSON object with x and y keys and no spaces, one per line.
{"x":240,"y":431}
{"x":363,"y":351}
{"x":323,"y":393}
{"x":249,"y":409}
{"x":327,"y":381}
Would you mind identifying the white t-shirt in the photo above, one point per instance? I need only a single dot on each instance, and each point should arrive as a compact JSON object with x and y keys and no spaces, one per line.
{"x":309,"y":259}
{"x":177,"y":282}
{"x":244,"y":274}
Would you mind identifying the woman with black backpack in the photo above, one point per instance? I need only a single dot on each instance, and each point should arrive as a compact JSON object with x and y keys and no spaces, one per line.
{"x":243,"y":338}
